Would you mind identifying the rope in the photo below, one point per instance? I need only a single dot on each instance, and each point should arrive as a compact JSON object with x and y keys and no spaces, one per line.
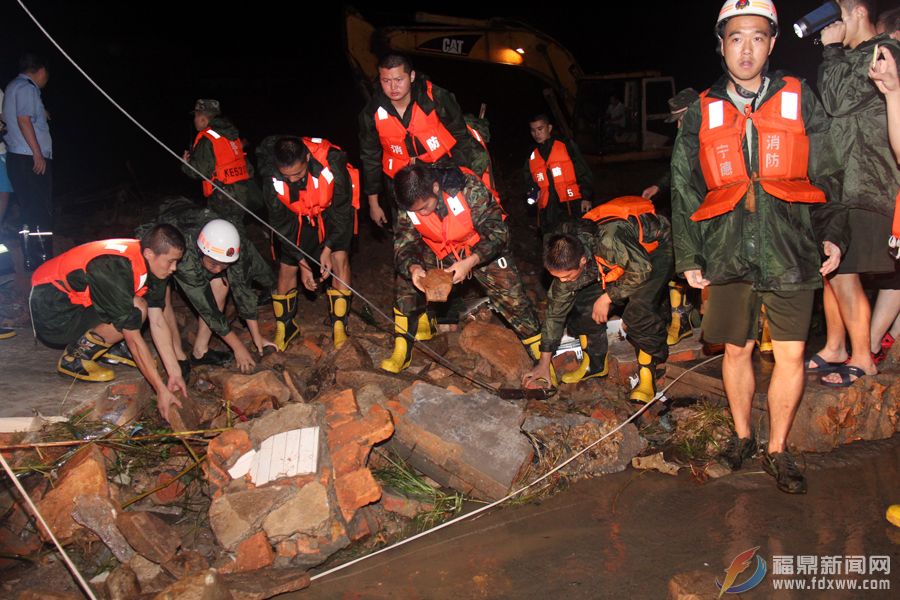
{"x":658,"y":397}
{"x":421,"y":345}
{"x":75,"y":572}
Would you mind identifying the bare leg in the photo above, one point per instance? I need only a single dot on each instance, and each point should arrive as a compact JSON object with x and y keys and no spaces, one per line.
{"x":857,"y":316}
{"x":204,"y":333}
{"x":110,"y":334}
{"x":835,"y":349}
{"x":341,"y":262}
{"x":785,"y":390}
{"x":884,"y":315}
{"x":287,"y":278}
{"x":172,"y":322}
{"x":740,"y":384}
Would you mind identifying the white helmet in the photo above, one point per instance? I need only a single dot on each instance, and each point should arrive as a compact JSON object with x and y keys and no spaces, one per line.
{"x":220,"y":240}
{"x":740,"y":8}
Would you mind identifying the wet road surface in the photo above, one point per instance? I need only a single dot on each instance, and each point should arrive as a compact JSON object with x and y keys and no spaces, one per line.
{"x":627,"y":535}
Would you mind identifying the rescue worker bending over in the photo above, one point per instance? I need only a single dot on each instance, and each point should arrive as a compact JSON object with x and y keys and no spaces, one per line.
{"x":95,"y":298}
{"x":218,"y":153}
{"x":217,"y":260}
{"x":312,"y":194}
{"x":409,"y":119}
{"x":621,"y":251}
{"x":448,"y":219}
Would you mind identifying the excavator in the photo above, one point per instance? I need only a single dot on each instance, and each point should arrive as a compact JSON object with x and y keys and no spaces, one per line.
{"x":578,"y":102}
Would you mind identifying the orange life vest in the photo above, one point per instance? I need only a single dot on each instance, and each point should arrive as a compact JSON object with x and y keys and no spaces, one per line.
{"x":231,"y":162}
{"x":487,"y":177}
{"x":56,"y":270}
{"x":560,"y":165}
{"x":454,"y":234}
{"x":621,"y":209}
{"x":427,"y":129}
{"x":319,"y":192}
{"x":783,"y":148}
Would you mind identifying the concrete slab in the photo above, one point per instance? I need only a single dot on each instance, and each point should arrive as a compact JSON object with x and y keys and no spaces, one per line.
{"x":31,"y":384}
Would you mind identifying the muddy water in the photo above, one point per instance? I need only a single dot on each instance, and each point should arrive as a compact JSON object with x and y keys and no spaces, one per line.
{"x":626,"y":535}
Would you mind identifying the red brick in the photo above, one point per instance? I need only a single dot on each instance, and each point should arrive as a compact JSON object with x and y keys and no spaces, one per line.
{"x":287,"y":549}
{"x":375,"y":427}
{"x":83,"y":474}
{"x":355,"y":490}
{"x":566,"y":362}
{"x":604,"y":415}
{"x":172,"y":492}
{"x":348,"y":458}
{"x":253,"y":394}
{"x":340,"y":403}
{"x":402,"y":505}
{"x":253,"y":553}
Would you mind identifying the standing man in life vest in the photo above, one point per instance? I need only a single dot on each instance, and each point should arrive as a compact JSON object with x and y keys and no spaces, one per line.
{"x":312,"y":194}
{"x":563,"y":186}
{"x":94,"y":300}
{"x":751,"y":227}
{"x":448,"y":219}
{"x":217,"y":261}
{"x":409,"y":119}
{"x":621,"y":251}
{"x":218,"y":154}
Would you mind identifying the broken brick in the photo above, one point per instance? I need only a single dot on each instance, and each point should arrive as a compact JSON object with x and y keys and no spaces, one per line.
{"x":83,"y":474}
{"x":253,"y":553}
{"x":498,"y":346}
{"x":355,"y":490}
{"x":150,"y":536}
{"x":253,"y":394}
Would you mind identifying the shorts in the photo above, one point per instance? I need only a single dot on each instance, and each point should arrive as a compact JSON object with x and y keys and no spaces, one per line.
{"x":868,"y":251}
{"x":731,"y":314}
{"x":307,"y":238}
{"x":58,"y":322}
{"x":883,"y":281}
{"x":5,"y":184}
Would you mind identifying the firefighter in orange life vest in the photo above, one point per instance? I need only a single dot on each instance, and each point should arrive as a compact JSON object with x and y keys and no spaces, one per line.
{"x":312,"y":194}
{"x":750,"y":225}
{"x":218,"y":153}
{"x":410,"y":119}
{"x":562,"y":183}
{"x":94,"y":299}
{"x":448,"y":219}
{"x":621,"y":251}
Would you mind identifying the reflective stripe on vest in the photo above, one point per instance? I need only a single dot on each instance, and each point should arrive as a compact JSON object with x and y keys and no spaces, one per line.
{"x":783,"y":148}
{"x":312,"y":201}
{"x":560,"y":165}
{"x":231,"y":162}
{"x":621,"y":209}
{"x":454,"y":234}
{"x":56,"y":270}
{"x":427,"y":129}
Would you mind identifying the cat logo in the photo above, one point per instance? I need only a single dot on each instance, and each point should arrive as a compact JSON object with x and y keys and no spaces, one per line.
{"x":452,"y":46}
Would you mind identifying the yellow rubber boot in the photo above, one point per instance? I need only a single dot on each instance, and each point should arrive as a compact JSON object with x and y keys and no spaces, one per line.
{"x":765,"y":336}
{"x":402,"y":355}
{"x":426,"y":327}
{"x":339,"y":301}
{"x":680,"y":325}
{"x":893,"y":514}
{"x":285,"y":309}
{"x":533,"y":345}
{"x":645,"y":389}
{"x":79,"y":358}
{"x":586,"y":370}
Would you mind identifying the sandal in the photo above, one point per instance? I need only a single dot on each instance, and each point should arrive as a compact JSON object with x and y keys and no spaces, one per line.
{"x":846,"y":372}
{"x":822,"y":366}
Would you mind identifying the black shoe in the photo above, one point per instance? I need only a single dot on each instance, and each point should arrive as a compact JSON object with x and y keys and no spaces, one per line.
{"x":185,"y":369}
{"x":782,"y":467}
{"x":737,"y":450}
{"x":215,"y":358}
{"x":118,"y":354}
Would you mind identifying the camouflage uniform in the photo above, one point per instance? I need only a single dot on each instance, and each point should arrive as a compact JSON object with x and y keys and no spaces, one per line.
{"x":644,"y":284}
{"x":497,"y":271}
{"x":204,"y":160}
{"x":193,"y":278}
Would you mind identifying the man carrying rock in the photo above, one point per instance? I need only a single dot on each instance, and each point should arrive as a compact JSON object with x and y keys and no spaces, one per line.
{"x":95,"y":298}
{"x":448,"y":219}
{"x":217,"y":260}
{"x":312,"y":194}
{"x":218,"y":153}
{"x":751,"y":227}
{"x":620,"y":251}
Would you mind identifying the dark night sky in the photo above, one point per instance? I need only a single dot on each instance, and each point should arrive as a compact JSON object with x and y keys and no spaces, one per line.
{"x":280,"y":67}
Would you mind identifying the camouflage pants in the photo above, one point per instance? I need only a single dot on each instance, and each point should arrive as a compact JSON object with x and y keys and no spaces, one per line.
{"x":499,"y":278}
{"x":245,"y":192}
